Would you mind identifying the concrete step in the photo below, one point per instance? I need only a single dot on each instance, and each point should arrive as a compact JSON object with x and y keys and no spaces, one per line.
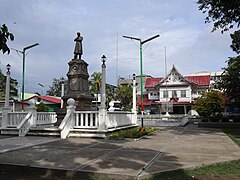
{"x":9,"y":130}
{"x":44,"y":131}
{"x":86,"y":133}
{"x":94,"y":132}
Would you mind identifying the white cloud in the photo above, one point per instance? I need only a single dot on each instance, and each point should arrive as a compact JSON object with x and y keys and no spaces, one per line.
{"x":53,"y":24}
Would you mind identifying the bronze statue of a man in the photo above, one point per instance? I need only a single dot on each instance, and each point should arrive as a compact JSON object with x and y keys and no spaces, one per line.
{"x":78,"y":51}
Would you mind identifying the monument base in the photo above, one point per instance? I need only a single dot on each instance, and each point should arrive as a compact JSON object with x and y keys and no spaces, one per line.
{"x":82,"y":102}
{"x":60,"y":116}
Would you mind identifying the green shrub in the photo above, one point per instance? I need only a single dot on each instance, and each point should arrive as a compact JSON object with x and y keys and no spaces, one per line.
{"x":131,"y":133}
{"x":225,"y":119}
{"x":236,"y":119}
{"x":205,"y":120}
{"x":42,"y":107}
{"x":214,"y":119}
{"x":231,"y":116}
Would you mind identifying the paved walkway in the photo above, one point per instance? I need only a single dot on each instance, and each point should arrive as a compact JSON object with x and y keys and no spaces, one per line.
{"x":169,"y":149}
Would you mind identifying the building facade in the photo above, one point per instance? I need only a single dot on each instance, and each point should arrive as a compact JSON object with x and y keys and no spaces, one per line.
{"x":174,"y":93}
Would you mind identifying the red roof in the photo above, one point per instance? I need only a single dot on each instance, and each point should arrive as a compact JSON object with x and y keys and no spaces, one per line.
{"x":50,"y":99}
{"x":47,"y":98}
{"x":199,"y":80}
{"x":152,"y":82}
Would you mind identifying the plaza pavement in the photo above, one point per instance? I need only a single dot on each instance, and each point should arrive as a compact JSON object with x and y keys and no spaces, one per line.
{"x":169,"y":149}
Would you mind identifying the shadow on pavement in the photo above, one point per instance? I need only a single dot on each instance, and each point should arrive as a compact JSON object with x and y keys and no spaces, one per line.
{"x":78,"y":158}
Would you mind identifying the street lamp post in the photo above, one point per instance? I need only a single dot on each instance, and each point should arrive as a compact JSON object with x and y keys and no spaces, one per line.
{"x":141,"y":66}
{"x":103,"y":84}
{"x":23,"y":69}
{"x":42,"y":90}
{"x":7,"y":91}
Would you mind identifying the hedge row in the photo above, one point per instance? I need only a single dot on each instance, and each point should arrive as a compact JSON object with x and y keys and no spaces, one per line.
{"x":221,"y":118}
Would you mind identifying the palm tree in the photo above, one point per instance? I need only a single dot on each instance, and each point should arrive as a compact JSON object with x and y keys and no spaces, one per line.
{"x":95,"y":84}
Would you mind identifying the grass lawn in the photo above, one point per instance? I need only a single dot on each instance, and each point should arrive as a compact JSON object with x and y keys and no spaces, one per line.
{"x":234,"y":134}
{"x":133,"y":133}
{"x":220,"y":171}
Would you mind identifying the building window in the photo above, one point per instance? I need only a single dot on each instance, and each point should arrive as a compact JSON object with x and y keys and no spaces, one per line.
{"x":165,"y":94}
{"x":183,"y":93}
{"x":151,"y":94}
{"x":174,"y":93}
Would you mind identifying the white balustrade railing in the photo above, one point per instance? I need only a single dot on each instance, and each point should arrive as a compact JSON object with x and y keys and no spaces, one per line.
{"x":86,"y":119}
{"x":46,"y":118}
{"x":117,"y":119}
{"x":15,"y":118}
{"x":24,"y":126}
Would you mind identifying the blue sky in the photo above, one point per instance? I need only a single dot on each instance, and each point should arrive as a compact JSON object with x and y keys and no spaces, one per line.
{"x":191,"y":46}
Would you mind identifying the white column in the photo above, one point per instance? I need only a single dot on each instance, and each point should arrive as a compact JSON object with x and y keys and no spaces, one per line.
{"x":6,"y":107}
{"x":62,"y":94}
{"x":134,"y":99}
{"x":185,"y":109}
{"x":32,"y":108}
{"x":190,"y":94}
{"x":134,"y":108}
{"x":103,"y":84}
{"x":102,"y":109}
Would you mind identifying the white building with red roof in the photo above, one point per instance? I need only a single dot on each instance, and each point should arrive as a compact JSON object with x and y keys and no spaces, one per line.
{"x":174,"y":93}
{"x":53,"y":102}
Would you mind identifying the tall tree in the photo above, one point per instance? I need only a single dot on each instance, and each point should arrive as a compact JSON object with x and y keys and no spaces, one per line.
{"x":55,"y":89}
{"x":95,"y":83}
{"x":42,"y":107}
{"x":110,"y":93}
{"x":235,"y":41}
{"x":5,"y":35}
{"x":230,"y":82}
{"x":210,"y":103}
{"x":124,"y":94}
{"x":225,"y":14}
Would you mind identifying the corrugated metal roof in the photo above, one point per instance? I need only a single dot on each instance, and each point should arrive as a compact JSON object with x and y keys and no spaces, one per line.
{"x":152,"y":82}
{"x":199,"y":80}
{"x":52,"y":99}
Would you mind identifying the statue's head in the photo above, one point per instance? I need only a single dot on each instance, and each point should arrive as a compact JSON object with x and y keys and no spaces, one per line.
{"x":78,"y":34}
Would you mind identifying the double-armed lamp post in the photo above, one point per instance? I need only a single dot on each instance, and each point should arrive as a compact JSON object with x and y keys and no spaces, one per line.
{"x":23,"y":69}
{"x":141,"y":66}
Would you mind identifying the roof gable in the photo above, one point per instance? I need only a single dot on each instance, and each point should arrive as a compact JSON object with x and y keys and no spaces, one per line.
{"x":174,"y":78}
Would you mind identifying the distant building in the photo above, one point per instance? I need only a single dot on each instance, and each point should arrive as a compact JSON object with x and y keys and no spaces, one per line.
{"x":52,"y":102}
{"x":215,"y":77}
{"x":124,"y":81}
{"x":15,"y":105}
{"x":110,"y":90}
{"x":174,"y":93}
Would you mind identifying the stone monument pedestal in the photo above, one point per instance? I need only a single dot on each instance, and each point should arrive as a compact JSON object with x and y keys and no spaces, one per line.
{"x":78,"y":89}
